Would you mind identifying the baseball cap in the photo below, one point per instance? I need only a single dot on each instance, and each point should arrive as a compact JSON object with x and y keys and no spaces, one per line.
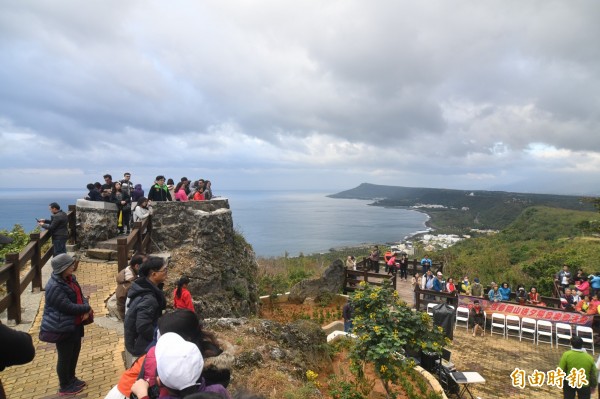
{"x":179,"y":363}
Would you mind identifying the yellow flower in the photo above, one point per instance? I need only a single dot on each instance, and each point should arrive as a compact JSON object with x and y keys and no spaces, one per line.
{"x":373,"y":295}
{"x":383,"y":368}
{"x":311,"y":375}
{"x":376,"y":329}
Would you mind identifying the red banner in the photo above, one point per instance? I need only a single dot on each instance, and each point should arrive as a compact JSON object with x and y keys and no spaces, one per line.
{"x":533,"y":312}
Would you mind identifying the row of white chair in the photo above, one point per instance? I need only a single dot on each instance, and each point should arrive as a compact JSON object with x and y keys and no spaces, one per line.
{"x":528,"y":328}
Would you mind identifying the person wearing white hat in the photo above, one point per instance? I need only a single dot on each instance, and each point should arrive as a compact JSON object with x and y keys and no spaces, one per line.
{"x":179,"y":365}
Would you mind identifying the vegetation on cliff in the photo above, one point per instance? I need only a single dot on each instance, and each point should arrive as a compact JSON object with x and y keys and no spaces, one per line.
{"x":463,"y":209}
{"x":529,"y":251}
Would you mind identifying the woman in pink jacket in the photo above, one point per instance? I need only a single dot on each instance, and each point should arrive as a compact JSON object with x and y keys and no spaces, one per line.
{"x":584,"y":286}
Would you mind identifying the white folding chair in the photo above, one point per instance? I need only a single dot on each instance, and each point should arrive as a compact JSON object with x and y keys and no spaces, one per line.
{"x":563,"y":331}
{"x":587,"y":335}
{"x":484,"y":321}
{"x":528,"y":326}
{"x":498,"y":322}
{"x":544,"y":329}
{"x":430,"y":307}
{"x":513,"y":323}
{"x":462,"y":316}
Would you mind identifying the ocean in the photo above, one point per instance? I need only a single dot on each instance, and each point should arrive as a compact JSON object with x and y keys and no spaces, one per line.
{"x":273,"y":222}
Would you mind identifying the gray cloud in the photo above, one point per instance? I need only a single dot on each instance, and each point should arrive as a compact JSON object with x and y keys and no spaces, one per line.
{"x":391,"y":92}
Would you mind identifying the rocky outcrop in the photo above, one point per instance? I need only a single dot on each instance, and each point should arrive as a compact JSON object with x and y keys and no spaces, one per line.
{"x":203,"y":245}
{"x":297,"y":347}
{"x":331,"y":282}
{"x":175,"y":224}
{"x":219,"y":262}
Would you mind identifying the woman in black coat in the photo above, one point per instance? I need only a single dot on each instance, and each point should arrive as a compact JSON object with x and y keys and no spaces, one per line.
{"x":65,"y":311}
{"x":123,"y":202}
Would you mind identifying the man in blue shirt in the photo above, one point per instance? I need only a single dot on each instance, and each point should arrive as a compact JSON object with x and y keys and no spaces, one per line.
{"x":426,"y":264}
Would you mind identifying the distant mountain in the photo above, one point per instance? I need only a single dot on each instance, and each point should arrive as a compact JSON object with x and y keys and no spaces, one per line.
{"x":456,"y":210}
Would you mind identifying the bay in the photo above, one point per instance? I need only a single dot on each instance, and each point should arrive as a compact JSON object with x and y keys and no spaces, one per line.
{"x":273,"y":222}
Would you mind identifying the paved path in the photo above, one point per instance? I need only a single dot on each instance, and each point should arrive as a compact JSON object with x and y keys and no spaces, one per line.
{"x":100,"y":362}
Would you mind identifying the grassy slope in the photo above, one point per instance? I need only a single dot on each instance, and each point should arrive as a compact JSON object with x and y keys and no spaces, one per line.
{"x":529,"y":251}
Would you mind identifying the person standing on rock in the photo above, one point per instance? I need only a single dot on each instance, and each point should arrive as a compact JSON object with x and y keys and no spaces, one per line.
{"x":57,"y":226}
{"x":65,"y":313}
{"x":182,"y":299}
{"x":146,"y":304}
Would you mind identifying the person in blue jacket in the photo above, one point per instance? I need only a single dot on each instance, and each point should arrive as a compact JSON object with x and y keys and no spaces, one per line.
{"x":494,"y":295}
{"x":505,"y":291}
{"x":425,"y":264}
{"x":438,"y":284}
{"x":595,"y":282}
{"x":65,"y":312}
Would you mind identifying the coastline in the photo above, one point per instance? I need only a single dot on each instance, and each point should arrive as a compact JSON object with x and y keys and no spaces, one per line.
{"x":368,"y":245}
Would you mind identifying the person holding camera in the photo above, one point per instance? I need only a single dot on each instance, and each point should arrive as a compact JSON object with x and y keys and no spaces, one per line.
{"x":57,"y":226}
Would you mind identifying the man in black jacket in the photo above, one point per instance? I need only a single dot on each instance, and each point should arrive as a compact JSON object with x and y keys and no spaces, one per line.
{"x":159,"y":191}
{"x":57,"y":227}
{"x":146,"y":304}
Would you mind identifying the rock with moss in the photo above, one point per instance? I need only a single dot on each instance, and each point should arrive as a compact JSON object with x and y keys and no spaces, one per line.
{"x":219,"y":262}
{"x":322,"y":288}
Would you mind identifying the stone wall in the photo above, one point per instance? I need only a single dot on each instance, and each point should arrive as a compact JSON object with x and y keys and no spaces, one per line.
{"x":96,"y":221}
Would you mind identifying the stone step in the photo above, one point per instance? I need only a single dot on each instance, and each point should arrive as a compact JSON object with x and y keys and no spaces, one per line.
{"x":103,"y":254}
{"x":108,"y":244}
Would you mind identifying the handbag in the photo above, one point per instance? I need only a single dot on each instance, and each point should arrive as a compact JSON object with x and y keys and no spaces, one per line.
{"x":51,"y":337}
{"x":89,"y":320}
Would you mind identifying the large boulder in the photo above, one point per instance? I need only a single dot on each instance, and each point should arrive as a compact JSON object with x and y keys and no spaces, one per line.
{"x":330,"y":283}
{"x":219,"y":262}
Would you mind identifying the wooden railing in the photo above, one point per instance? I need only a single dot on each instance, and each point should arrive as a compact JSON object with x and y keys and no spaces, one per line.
{"x":424,"y":297}
{"x":354,"y":277}
{"x":136,"y":240}
{"x":413,"y":265}
{"x":10,"y":272}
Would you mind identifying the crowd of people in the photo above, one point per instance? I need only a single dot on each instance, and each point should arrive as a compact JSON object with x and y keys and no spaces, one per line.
{"x":168,"y":353}
{"x":129,"y":197}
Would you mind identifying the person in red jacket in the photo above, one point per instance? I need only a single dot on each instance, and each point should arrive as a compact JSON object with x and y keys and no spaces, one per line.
{"x":182,"y":299}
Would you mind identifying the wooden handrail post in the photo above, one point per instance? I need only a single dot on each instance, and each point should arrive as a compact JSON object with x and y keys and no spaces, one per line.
{"x":366,"y":276}
{"x":14,"y":289}
{"x":149,"y":231}
{"x":417,"y":296}
{"x":137,"y":227}
{"x":394,"y":280}
{"x":36,"y":263}
{"x":122,"y":253}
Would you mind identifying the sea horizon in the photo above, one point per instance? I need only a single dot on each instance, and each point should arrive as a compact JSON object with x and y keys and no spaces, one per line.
{"x":274,"y":222}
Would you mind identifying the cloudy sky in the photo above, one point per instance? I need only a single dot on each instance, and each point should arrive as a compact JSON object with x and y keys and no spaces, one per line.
{"x":260,"y":94}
